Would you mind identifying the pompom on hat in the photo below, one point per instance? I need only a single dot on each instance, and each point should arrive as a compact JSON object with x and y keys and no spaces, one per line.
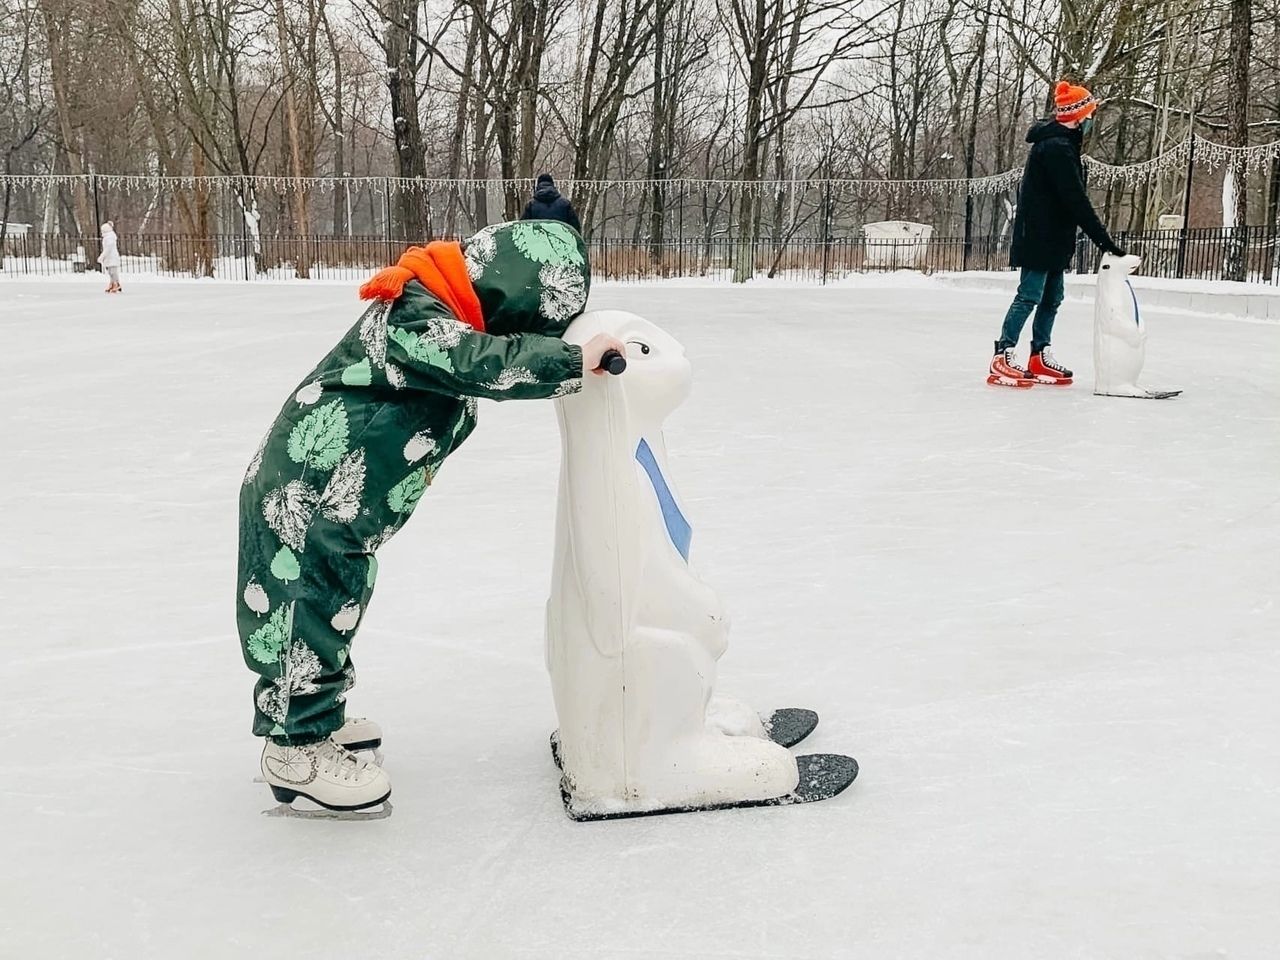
{"x":1072,"y":103}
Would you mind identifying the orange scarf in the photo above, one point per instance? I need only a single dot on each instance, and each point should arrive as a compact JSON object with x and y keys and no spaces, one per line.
{"x":440,"y":268}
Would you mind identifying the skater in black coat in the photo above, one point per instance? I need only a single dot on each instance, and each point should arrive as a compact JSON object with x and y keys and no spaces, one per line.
{"x":548,"y":204}
{"x":1052,"y":204}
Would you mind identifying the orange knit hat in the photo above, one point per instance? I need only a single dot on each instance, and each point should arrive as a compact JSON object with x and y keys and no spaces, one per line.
{"x":1072,"y":103}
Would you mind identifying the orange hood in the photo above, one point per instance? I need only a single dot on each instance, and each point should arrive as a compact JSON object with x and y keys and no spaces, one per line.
{"x":440,"y":267}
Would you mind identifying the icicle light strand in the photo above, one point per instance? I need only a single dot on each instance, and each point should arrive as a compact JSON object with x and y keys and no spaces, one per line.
{"x":1211,"y":154}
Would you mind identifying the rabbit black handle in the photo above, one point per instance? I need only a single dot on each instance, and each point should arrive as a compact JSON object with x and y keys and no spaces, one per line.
{"x":613,"y":362}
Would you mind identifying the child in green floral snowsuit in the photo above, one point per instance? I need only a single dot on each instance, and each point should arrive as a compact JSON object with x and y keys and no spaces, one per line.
{"x":360,"y":440}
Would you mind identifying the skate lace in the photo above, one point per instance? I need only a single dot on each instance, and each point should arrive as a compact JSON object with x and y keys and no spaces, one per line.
{"x":339,"y":761}
{"x":1010,"y":361}
{"x":1047,"y":358}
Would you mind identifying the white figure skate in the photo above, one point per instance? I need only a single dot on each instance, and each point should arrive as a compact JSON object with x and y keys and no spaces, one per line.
{"x":342,"y":785}
{"x":360,"y":734}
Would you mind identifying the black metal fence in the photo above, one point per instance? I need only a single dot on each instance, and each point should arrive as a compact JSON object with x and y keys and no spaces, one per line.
{"x":1199,"y":253}
{"x":1195,"y":253}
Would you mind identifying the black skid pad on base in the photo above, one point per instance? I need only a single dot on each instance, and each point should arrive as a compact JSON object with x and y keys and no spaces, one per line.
{"x":1149,"y":395}
{"x":822,"y":776}
{"x":786,"y":727}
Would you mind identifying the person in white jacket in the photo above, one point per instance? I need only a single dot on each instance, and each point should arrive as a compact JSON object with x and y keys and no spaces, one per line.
{"x":109,"y":258}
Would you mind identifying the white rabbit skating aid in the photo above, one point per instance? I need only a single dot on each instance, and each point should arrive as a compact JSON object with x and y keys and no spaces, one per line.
{"x":632,"y":635}
{"x":1119,"y":334}
{"x":786,"y":726}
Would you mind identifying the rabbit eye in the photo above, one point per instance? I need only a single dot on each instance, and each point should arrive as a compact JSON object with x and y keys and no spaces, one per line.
{"x":644,"y":347}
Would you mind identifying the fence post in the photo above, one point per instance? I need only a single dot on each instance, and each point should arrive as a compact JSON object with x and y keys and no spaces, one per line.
{"x":680,"y":213}
{"x":1186,"y":207}
{"x":386,"y":183}
{"x":97,"y":216}
{"x":826,"y":226}
{"x":244,"y":239}
{"x":680,"y":229}
{"x":967,"y":250}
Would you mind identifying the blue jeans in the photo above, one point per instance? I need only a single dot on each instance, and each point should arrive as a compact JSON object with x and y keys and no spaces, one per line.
{"x":1038,"y":290}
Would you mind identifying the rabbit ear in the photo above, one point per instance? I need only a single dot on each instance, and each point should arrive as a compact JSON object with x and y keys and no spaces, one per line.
{"x":603,"y":516}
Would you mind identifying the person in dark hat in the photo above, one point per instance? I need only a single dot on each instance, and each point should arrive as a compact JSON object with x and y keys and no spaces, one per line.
{"x":548,"y":204}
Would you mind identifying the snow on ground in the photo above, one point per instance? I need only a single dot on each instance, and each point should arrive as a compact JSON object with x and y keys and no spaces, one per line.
{"x":1251,"y":288}
{"x":1045,"y":623}
{"x":350,"y":277}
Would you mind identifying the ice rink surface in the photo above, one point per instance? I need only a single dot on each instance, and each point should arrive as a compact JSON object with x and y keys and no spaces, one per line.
{"x":1045,"y":623}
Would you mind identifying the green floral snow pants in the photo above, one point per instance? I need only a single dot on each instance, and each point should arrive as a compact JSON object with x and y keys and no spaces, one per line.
{"x":307,"y":551}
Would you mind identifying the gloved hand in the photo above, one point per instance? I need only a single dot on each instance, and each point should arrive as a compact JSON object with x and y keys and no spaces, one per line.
{"x":593,"y":351}
{"x":1117,"y":251}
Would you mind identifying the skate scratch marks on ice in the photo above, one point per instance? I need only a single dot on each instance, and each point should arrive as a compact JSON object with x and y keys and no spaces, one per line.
{"x":459,"y":646}
{"x":111,"y":651}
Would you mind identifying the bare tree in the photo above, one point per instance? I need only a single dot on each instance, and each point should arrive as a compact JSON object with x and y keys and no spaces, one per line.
{"x":334,"y":112}
{"x":1237,"y":198}
{"x":23,"y":113}
{"x":293,"y":128}
{"x":620,"y":39}
{"x":784,"y":51}
{"x":754,"y":91}
{"x":399,"y":40}
{"x":64,"y":21}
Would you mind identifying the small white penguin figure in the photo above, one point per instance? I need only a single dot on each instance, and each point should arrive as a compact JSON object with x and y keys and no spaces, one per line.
{"x":1119,"y":335}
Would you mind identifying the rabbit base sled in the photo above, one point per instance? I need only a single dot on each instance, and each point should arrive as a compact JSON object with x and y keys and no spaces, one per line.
{"x":822,"y":776}
{"x":786,"y":727}
{"x":1142,"y":394}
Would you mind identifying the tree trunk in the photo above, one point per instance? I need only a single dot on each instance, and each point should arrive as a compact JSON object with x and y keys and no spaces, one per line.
{"x":1238,"y":136}
{"x":299,"y":198}
{"x":971,"y":141}
{"x":657,"y":144}
{"x":4,"y":213}
{"x":340,"y":199}
{"x":401,"y":47}
{"x":504,"y":133}
{"x":56,"y":26}
{"x":203,"y":265}
{"x":460,"y":123}
{"x":758,"y":50}
{"x":480,"y":118}
{"x":535,"y":26}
